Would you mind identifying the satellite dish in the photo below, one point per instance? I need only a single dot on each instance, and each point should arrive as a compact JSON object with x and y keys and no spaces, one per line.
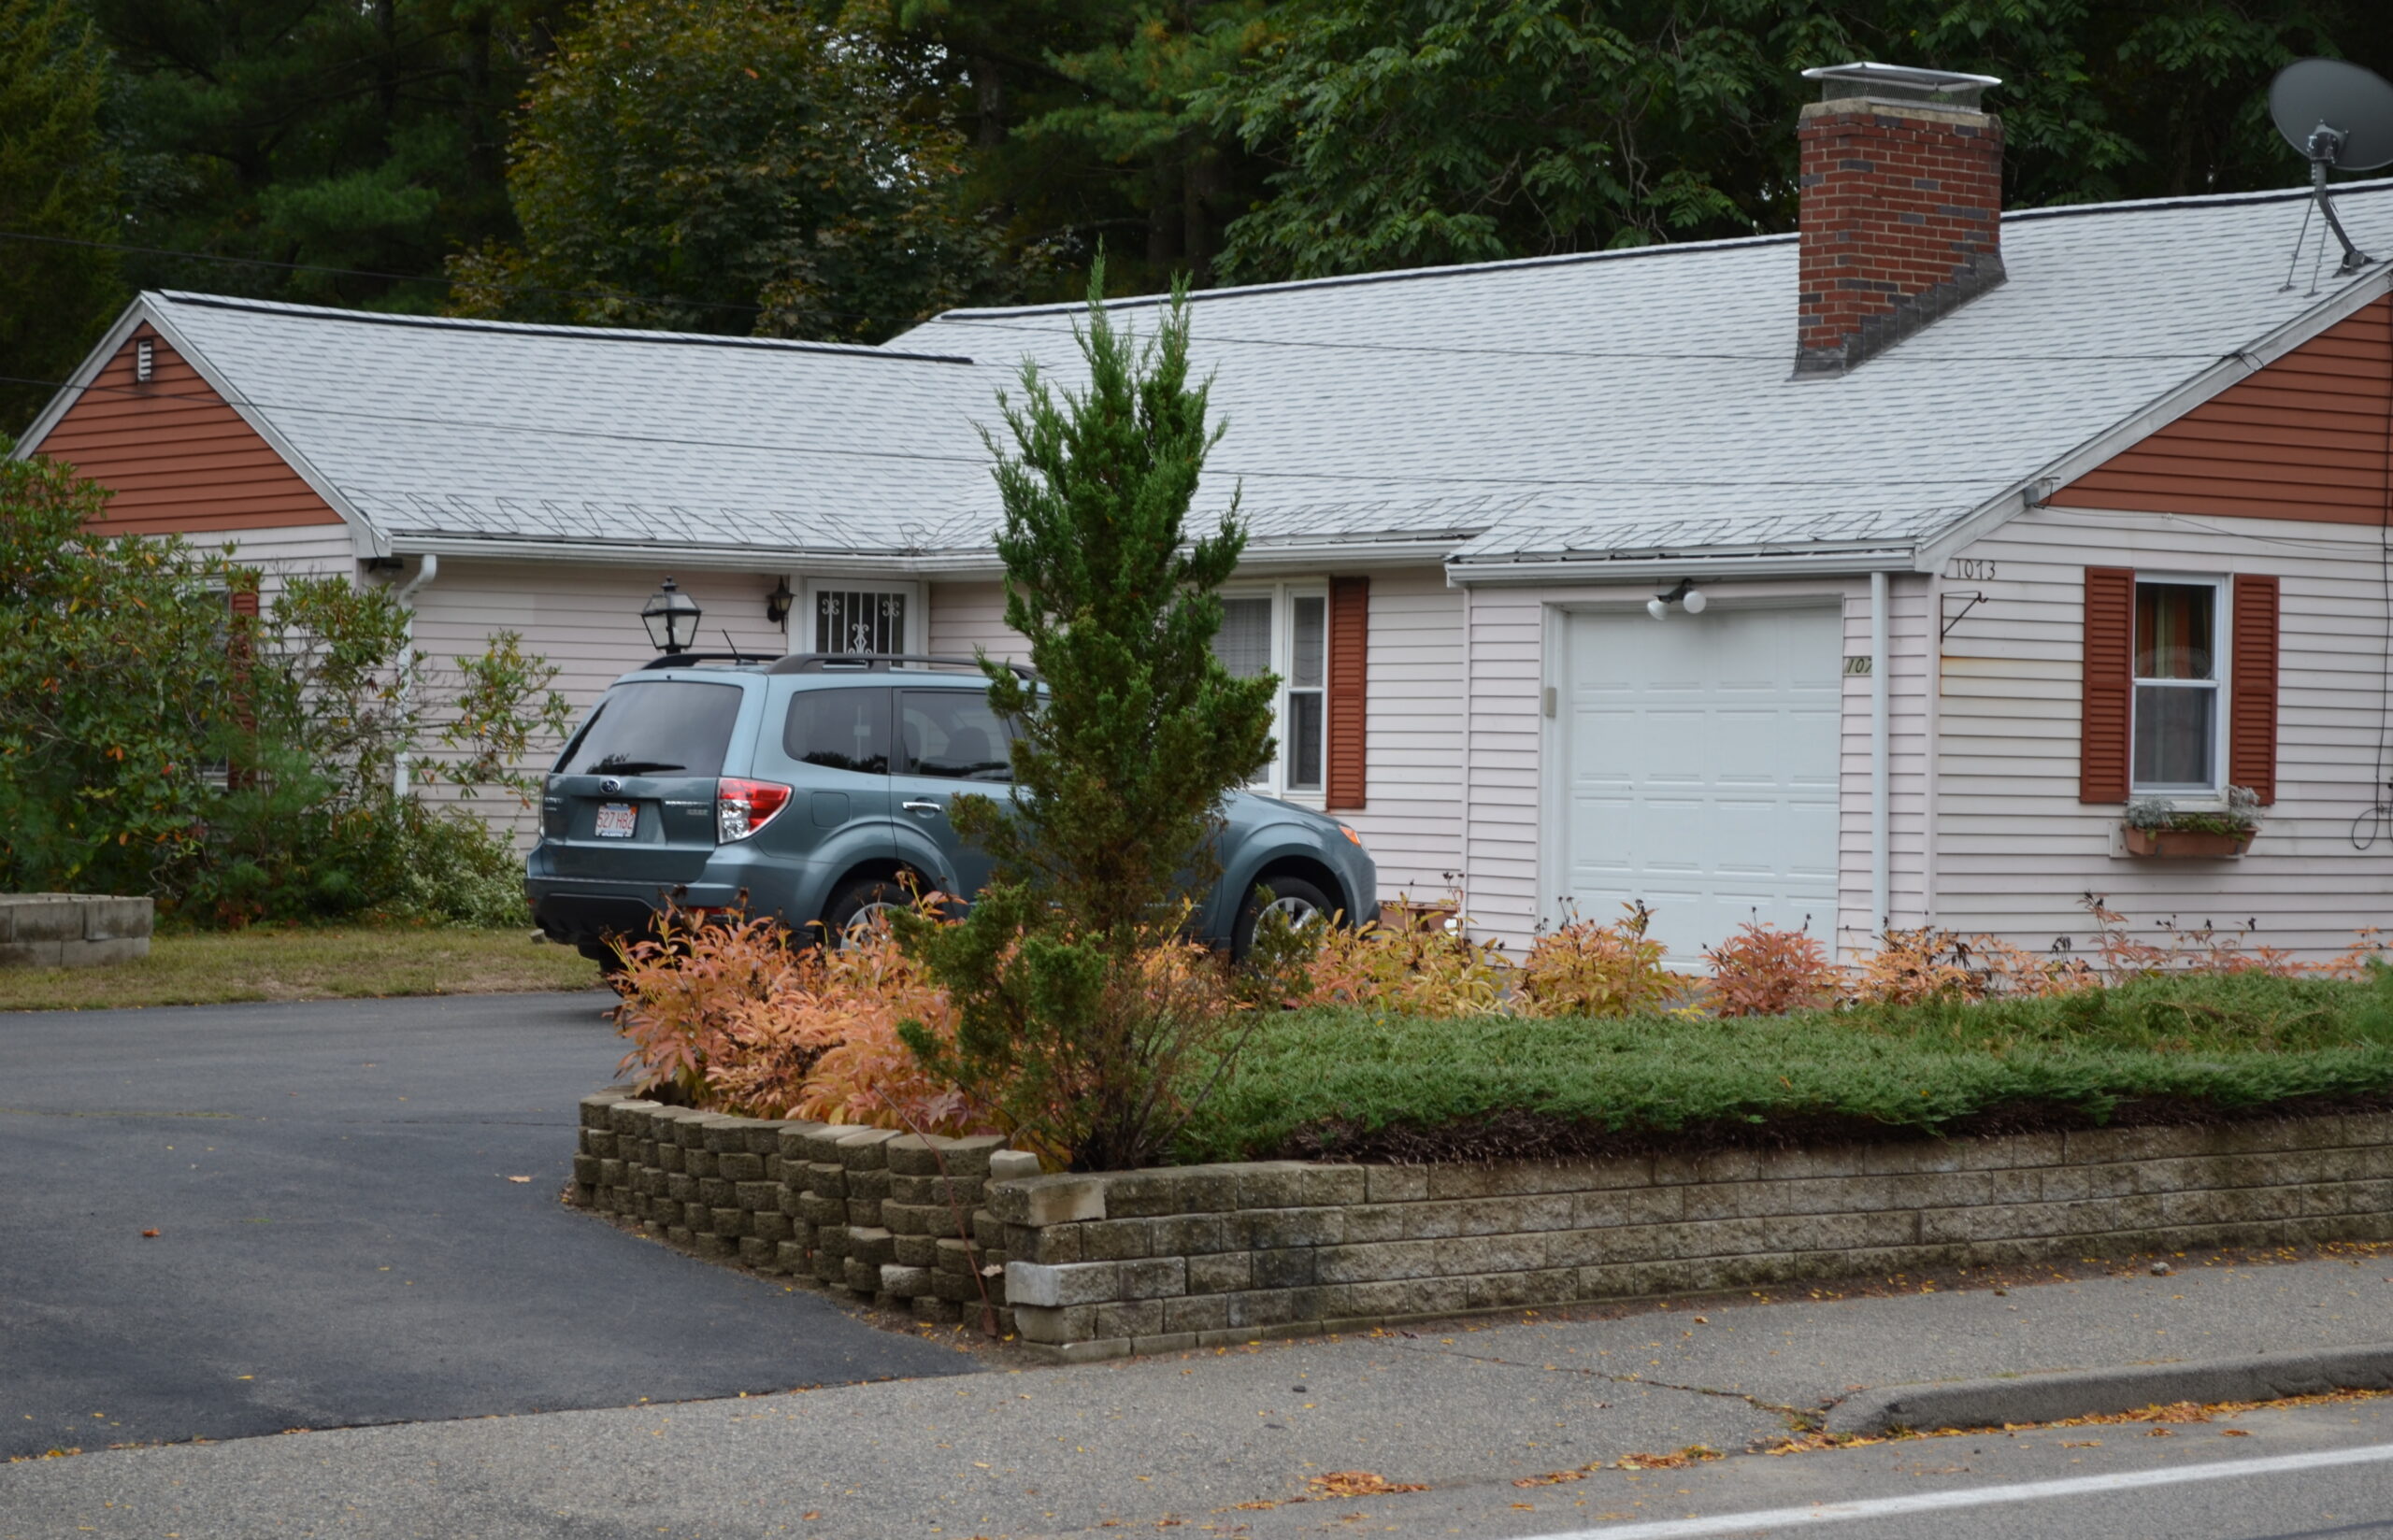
{"x":2353,"y":105}
{"x":2338,"y":115}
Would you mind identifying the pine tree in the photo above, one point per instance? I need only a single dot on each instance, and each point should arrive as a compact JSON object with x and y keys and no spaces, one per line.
{"x":1126,"y":747}
{"x":58,"y":178}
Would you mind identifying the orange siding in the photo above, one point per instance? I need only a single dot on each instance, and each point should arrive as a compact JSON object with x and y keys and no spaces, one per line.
{"x":175,"y":456}
{"x":2306,"y":437}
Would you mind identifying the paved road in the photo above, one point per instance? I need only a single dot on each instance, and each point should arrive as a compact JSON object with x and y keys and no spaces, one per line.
{"x":2304,"y":1472}
{"x":1230,"y":1438}
{"x":339,"y":1243}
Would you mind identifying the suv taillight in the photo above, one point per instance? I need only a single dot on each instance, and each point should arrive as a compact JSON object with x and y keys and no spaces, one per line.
{"x":743,"y":806}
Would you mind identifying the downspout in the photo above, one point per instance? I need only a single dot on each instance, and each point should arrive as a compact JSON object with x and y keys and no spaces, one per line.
{"x":425,"y":573}
{"x":1879,"y":825}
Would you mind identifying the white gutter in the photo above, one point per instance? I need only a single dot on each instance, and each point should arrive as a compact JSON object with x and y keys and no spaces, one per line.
{"x":406,"y":596}
{"x":1603,"y":569}
{"x":977,"y":563}
{"x":1881,"y":841}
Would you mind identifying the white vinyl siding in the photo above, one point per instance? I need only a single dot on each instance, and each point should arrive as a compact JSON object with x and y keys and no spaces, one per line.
{"x":2015,"y":848}
{"x":1413,"y":734}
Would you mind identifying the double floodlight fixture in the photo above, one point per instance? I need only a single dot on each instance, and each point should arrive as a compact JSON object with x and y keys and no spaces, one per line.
{"x":1687,"y":596}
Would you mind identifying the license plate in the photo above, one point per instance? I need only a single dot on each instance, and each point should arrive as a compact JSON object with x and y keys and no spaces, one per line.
{"x":617,"y":820}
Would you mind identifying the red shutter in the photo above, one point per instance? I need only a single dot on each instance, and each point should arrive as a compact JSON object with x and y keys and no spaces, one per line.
{"x":1350,"y":645}
{"x":2109,"y":699}
{"x":2251,"y":686}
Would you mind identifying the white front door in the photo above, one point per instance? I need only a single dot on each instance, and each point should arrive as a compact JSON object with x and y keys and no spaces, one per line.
{"x":1700,"y":769}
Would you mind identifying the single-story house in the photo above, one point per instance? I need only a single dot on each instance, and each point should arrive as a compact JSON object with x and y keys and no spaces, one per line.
{"x":1964,"y":528}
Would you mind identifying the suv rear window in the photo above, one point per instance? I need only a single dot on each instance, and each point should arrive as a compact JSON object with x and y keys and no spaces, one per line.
{"x":656,"y":727}
{"x":839,"y":730}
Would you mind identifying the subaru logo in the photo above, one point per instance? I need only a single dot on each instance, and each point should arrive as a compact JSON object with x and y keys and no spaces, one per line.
{"x":611,"y":785}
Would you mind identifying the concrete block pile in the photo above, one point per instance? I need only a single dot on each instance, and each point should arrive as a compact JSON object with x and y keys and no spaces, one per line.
{"x":73,"y":930}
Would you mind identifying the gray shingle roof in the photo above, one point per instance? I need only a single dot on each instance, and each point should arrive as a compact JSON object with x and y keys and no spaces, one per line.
{"x":441,"y":427}
{"x":1625,"y":403}
{"x":1641,"y":403}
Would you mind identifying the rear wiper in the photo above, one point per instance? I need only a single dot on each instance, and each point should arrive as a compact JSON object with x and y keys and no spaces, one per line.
{"x":622,"y":767}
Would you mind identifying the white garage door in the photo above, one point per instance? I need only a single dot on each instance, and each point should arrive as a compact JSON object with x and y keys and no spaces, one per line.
{"x":1701,"y":764}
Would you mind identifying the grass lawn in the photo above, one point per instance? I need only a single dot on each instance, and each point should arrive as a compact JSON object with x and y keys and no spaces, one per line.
{"x":1345,"y":1083}
{"x":210,"y":968}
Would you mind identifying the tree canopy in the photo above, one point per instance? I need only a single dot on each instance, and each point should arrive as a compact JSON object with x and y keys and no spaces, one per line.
{"x":840,"y":167}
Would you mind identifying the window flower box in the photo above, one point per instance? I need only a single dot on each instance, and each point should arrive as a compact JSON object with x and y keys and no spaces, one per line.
{"x":2187,"y":844}
{"x":2158,"y":828}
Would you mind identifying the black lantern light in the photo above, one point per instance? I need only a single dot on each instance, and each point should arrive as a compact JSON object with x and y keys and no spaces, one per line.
{"x":777,"y":603}
{"x":671,"y":617}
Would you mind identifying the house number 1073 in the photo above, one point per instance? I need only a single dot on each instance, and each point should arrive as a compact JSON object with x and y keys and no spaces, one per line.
{"x":1970,"y":571}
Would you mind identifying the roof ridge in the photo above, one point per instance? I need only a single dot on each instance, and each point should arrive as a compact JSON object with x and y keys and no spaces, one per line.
{"x":1400,"y":275}
{"x":171,"y":297}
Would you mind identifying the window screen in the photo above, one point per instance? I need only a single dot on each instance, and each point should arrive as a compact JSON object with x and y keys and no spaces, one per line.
{"x":859,"y":621}
{"x":656,"y":727}
{"x":1309,"y":637}
{"x":952,"y":735}
{"x":2176,"y":686}
{"x":839,"y":730}
{"x":1244,"y":642}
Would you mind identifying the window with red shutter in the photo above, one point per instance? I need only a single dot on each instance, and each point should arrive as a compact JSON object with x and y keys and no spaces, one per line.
{"x":2104,"y":730}
{"x":2252,"y":702}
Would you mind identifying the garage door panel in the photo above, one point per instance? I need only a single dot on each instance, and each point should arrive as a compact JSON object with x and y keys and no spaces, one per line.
{"x":1703,"y":762}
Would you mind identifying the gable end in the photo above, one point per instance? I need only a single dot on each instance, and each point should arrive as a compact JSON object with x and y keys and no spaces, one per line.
{"x":175,"y":457}
{"x":2306,"y":437}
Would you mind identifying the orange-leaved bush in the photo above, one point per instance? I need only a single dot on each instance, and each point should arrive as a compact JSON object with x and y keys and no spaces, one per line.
{"x":1584,"y":968}
{"x":1433,"y":972}
{"x":741,"y":1019}
{"x":1764,"y":970}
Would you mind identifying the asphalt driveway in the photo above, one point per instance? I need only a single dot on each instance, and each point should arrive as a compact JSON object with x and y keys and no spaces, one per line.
{"x":340,"y":1240}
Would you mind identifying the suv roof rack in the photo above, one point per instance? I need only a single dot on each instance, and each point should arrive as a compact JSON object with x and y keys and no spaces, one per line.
{"x":700,"y":659}
{"x":877,"y":663}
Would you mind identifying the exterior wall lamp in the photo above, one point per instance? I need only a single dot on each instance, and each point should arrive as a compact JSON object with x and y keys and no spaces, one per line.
{"x":1687,"y":596}
{"x":671,"y":617}
{"x":777,"y":603}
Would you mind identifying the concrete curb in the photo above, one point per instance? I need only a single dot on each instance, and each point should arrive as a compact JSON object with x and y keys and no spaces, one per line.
{"x":2087,"y":1393}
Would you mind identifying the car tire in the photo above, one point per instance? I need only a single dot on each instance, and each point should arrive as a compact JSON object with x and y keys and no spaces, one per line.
{"x":1290,"y":894}
{"x":856,"y":903}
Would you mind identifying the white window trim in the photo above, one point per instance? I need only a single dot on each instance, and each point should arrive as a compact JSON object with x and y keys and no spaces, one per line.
{"x":918,"y":620}
{"x":1273,"y":781}
{"x":2222,"y":654}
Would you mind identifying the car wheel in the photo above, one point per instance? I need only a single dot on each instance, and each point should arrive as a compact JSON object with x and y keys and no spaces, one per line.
{"x":1301,"y":901}
{"x":853,"y":908}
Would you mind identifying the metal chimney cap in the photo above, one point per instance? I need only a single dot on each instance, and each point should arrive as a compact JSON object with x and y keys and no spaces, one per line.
{"x":1901,"y":83}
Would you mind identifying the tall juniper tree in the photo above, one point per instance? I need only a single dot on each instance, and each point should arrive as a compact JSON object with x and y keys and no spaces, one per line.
{"x":1124,"y":753}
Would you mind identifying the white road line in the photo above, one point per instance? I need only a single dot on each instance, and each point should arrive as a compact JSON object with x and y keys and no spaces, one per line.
{"x":1881,"y":1507}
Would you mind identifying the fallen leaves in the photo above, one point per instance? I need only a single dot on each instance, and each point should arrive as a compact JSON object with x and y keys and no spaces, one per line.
{"x":1693,"y":1454}
{"x":1356,"y":1484}
{"x":519,"y":1178}
{"x":148,"y":1235}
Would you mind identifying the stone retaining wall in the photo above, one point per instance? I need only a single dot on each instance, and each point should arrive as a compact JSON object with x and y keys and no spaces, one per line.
{"x":72,"y":929}
{"x":1102,"y":1265}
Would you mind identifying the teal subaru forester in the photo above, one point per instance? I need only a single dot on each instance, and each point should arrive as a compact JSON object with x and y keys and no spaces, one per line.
{"x":815,"y":787}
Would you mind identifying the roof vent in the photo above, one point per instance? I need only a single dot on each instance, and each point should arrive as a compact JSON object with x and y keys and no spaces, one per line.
{"x":145,"y":360}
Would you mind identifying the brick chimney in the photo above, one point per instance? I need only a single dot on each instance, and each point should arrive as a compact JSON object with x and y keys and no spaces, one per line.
{"x":1901,"y":207}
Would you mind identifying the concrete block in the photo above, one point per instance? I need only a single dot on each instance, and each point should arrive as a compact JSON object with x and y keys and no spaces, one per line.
{"x":726,"y":1221}
{"x":739,"y":1166}
{"x":1510,"y":1291}
{"x":1130,"y":1318}
{"x":1208,"y":1189}
{"x":770,"y":1226}
{"x":913,"y":1250}
{"x":792,"y":1256}
{"x":1489,"y":1254}
{"x":1391,"y":1184}
{"x":1369,"y":1222}
{"x":1068,"y":1323}
{"x":870,"y":1246}
{"x":1223,"y":1274}
{"x":1117,"y":1240}
{"x":1376,"y":1262}
{"x":1012,"y":1164}
{"x":755,"y":1251}
{"x":1142,"y":1195}
{"x":1049,"y":1286}
{"x":1281,"y":1227}
{"x":1197,"y":1313}
{"x":1188,"y":1234}
{"x":1290,"y":1267}
{"x":861,"y":1149}
{"x":904,"y":1282}
{"x":1169,"y":1341}
{"x":1269,"y":1184}
{"x":1328,"y":1186}
{"x":1154,"y":1277}
{"x":757,"y":1197}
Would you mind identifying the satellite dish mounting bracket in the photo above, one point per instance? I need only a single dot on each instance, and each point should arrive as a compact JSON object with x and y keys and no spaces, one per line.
{"x":2325,"y":145}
